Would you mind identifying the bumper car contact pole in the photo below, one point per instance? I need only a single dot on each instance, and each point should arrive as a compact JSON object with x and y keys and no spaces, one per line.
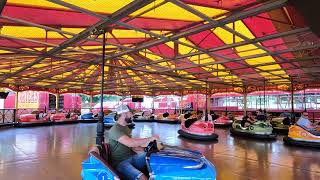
{"x":304,"y":99}
{"x":264,"y":94}
{"x":100,"y":124}
{"x":206,"y":113}
{"x":292,"y":105}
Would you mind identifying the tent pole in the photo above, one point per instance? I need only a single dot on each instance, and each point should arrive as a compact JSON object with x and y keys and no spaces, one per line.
{"x":226,"y":101}
{"x":292,"y":103}
{"x":100,"y":124}
{"x":304,"y":98}
{"x":245,"y":101}
{"x":2,"y":4}
{"x":206,"y":112}
{"x":180,"y":104}
{"x":90,"y":103}
{"x":57,"y":101}
{"x":259,"y":99}
{"x":264,"y":94}
{"x":16,"y":104}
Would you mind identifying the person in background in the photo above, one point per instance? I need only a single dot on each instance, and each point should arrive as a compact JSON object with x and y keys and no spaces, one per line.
{"x":261,"y":116}
{"x":230,"y":115}
{"x":204,"y":116}
{"x":305,"y":123}
{"x":41,"y":115}
{"x":247,"y":120}
{"x":214,"y":115}
{"x":124,"y":148}
{"x":285,"y":114}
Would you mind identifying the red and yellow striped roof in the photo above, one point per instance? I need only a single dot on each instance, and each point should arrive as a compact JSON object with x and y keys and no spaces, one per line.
{"x":154,"y":46}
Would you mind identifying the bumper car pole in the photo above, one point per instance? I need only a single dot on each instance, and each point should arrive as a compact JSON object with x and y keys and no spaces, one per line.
{"x":226,"y":101}
{"x":90,"y":103}
{"x":207,"y":101}
{"x":264,"y":95}
{"x":100,"y":124}
{"x":245,"y":101}
{"x":292,"y":107}
{"x":304,"y":99}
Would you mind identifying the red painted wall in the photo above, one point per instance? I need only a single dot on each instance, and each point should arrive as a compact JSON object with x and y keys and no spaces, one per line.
{"x":9,"y":101}
{"x":72,"y":101}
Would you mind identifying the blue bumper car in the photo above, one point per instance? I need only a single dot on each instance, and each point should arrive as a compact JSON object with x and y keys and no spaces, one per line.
{"x":110,"y":119}
{"x":168,"y":163}
{"x":88,"y":118}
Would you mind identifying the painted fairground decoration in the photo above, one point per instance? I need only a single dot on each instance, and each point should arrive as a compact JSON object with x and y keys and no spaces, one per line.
{"x":28,"y":99}
{"x":41,"y":100}
{"x":226,"y":90}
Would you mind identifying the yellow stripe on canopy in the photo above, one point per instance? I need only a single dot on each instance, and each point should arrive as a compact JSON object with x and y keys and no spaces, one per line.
{"x":247,"y":50}
{"x":166,"y":11}
{"x":102,"y":6}
{"x":28,"y":32}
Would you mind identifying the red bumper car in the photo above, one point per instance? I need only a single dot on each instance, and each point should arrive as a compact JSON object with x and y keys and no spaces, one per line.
{"x":198,"y":130}
{"x":223,"y":121}
{"x":64,"y":118}
{"x":33,"y":119}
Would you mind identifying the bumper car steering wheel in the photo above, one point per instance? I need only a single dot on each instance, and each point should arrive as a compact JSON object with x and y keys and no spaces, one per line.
{"x":151,"y":148}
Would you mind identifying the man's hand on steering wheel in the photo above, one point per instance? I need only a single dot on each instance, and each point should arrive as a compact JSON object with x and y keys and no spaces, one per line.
{"x":154,"y":138}
{"x":152,"y":147}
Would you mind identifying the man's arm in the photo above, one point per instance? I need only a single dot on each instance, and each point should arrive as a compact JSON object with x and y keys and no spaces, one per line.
{"x":138,"y":149}
{"x":135,"y":142}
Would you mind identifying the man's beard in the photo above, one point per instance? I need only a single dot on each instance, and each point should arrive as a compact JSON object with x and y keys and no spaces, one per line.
{"x":128,"y":120}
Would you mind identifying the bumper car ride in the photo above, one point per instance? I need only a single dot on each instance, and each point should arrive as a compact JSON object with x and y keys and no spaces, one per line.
{"x":259,"y":130}
{"x":278,"y":126}
{"x":198,"y":130}
{"x":141,"y":117}
{"x":30,"y":120}
{"x":166,"y":118}
{"x":301,"y":137}
{"x":169,"y":163}
{"x":223,"y":121}
{"x":88,"y":118}
{"x":64,"y":118}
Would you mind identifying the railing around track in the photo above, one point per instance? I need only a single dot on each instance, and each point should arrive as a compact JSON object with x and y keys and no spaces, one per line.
{"x":7,"y":116}
{"x":10,"y":116}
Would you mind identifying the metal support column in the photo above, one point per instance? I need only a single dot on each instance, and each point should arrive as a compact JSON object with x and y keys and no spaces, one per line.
{"x":226,"y":101}
{"x":292,"y":102}
{"x":245,"y":101}
{"x":209,"y":103}
{"x":206,"y":111}
{"x":180,"y":104}
{"x":304,"y":98}
{"x":153,"y":111}
{"x":264,"y":94}
{"x":260,"y":100}
{"x":16,"y":102}
{"x":57,"y":101}
{"x":90,"y":102}
{"x":100,"y":124}
{"x":2,"y":4}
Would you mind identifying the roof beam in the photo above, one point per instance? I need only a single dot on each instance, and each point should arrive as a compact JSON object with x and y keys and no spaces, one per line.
{"x":2,"y":4}
{"x":48,"y":28}
{"x":212,"y":21}
{"x":76,"y":8}
{"x":229,"y":19}
{"x":228,"y":46}
{"x":262,"y":54}
{"x":118,"y":15}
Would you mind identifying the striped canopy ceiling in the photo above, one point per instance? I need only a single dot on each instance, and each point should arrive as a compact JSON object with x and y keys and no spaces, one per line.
{"x":154,"y":46}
